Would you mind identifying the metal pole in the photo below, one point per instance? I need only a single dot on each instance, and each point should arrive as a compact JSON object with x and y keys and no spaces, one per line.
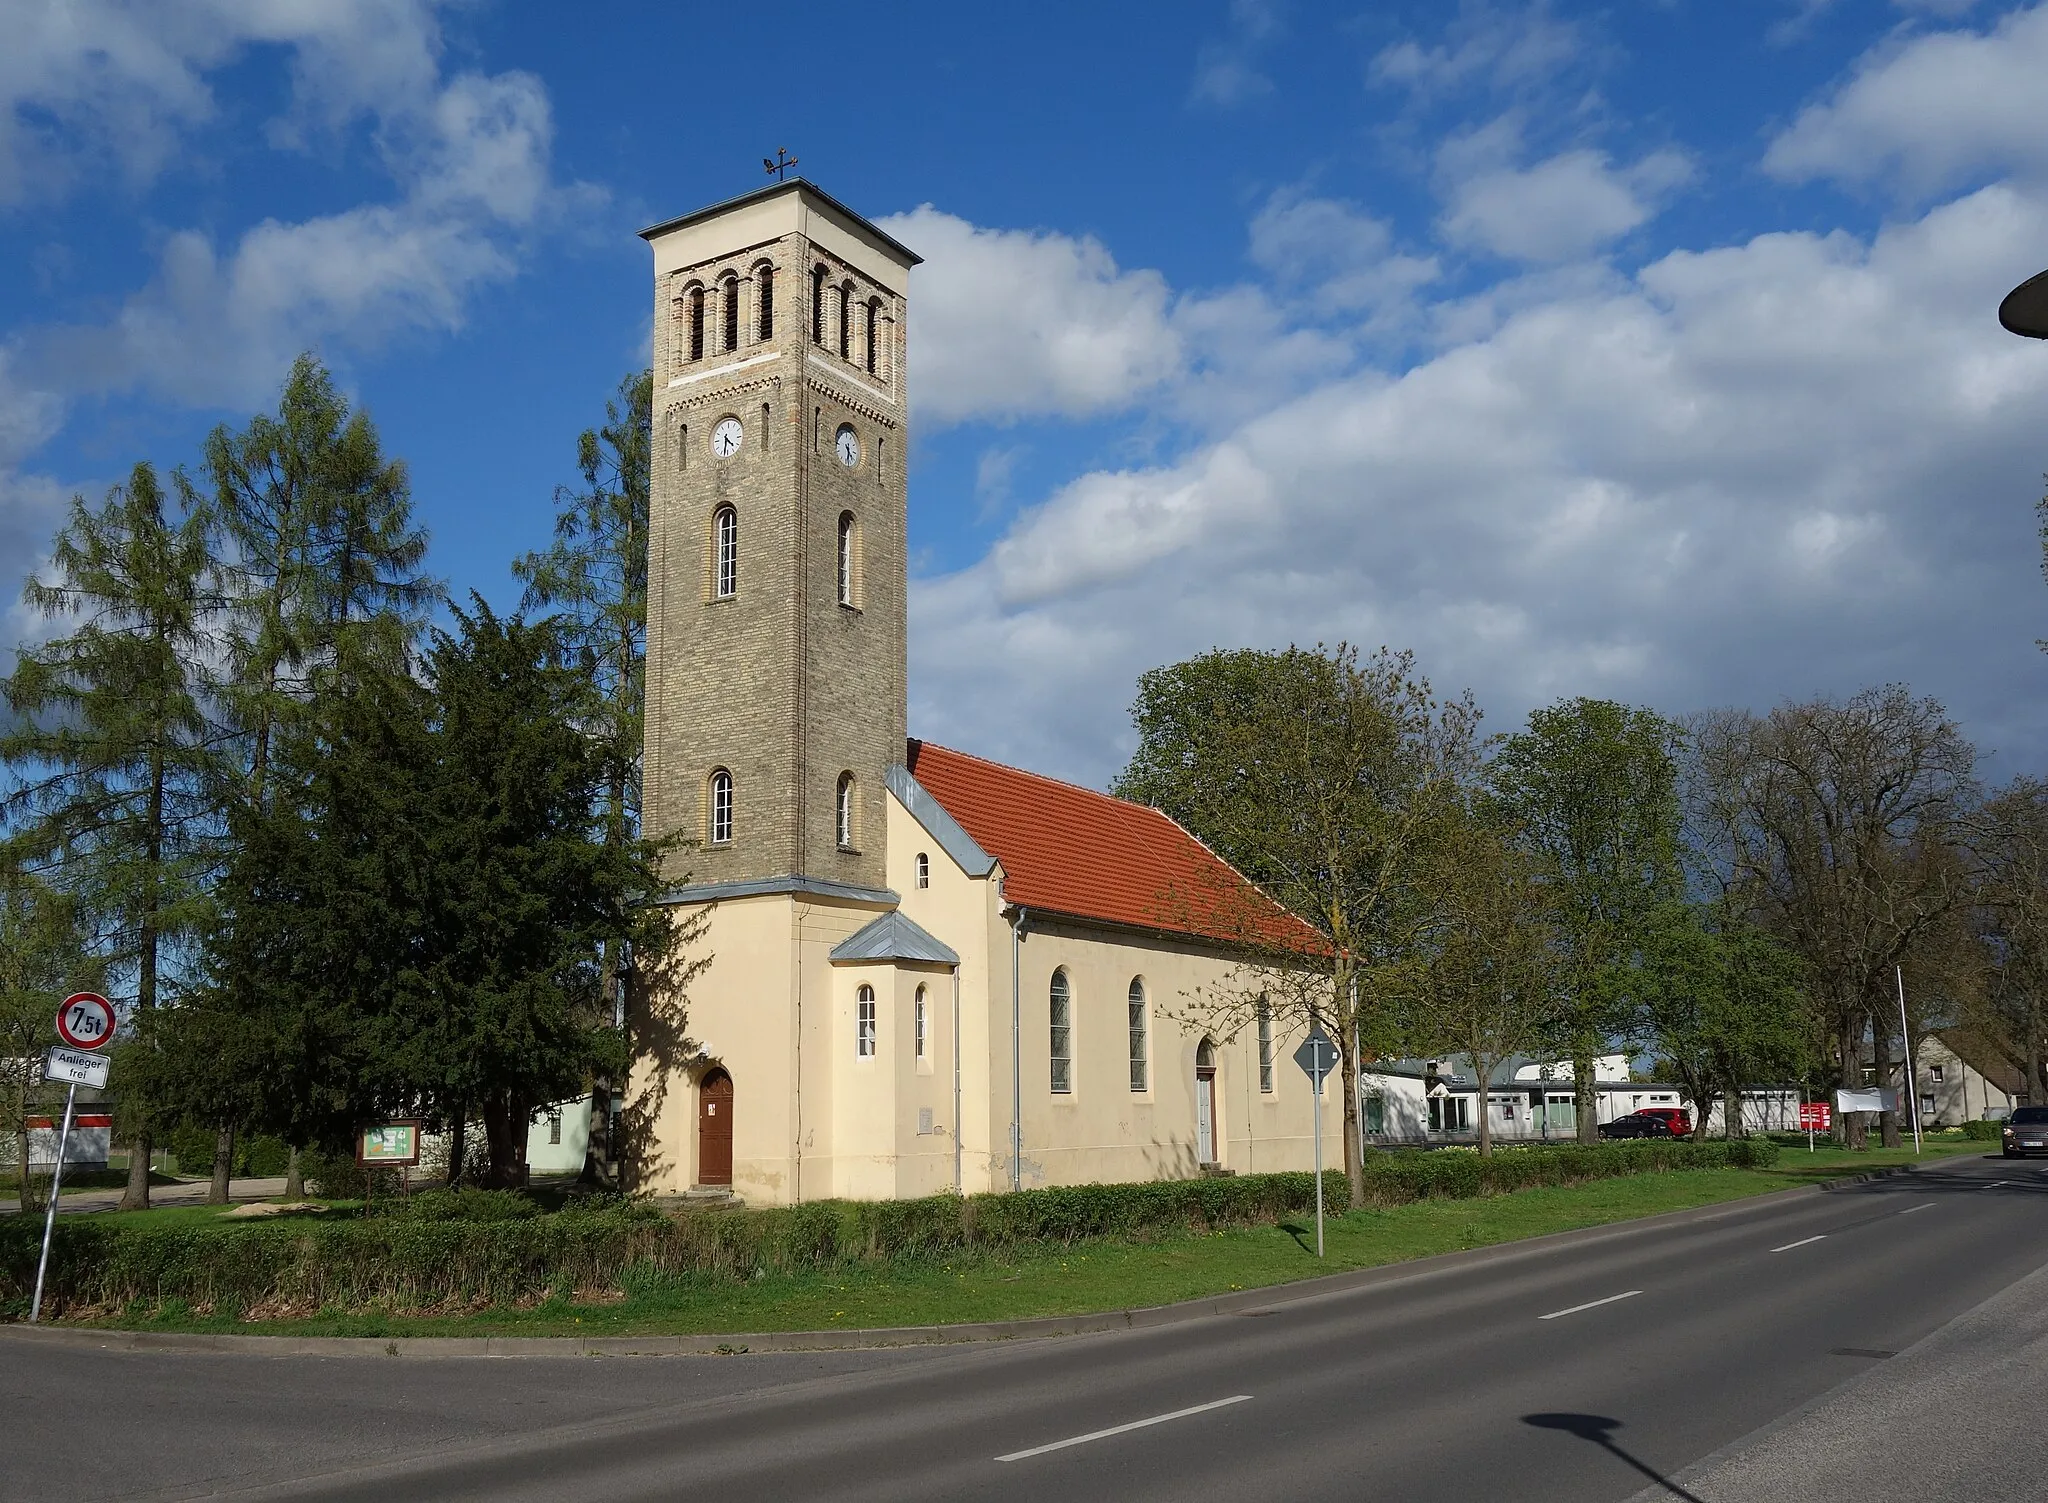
{"x":1316,"y":1081}
{"x":1912,"y":1087}
{"x":35,"y":1308}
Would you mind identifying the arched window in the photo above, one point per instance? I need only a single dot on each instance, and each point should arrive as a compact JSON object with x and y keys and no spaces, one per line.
{"x":1062,"y":1034}
{"x":923,"y":868}
{"x":846,"y":808}
{"x":764,"y":281}
{"x":864,"y":1022}
{"x":729,"y":305}
{"x":917,"y":1021}
{"x":1137,"y":1000}
{"x":817,"y":305}
{"x":1265,"y":1046}
{"x":874,"y":338}
{"x":849,"y":547}
{"x":725,"y":553}
{"x":845,"y":321}
{"x":721,"y":807}
{"x":696,"y":323}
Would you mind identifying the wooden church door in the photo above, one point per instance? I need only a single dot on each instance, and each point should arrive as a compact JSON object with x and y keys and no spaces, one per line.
{"x":714,"y":1129}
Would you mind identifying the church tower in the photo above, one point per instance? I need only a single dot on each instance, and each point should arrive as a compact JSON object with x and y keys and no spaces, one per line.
{"x":776,"y":698}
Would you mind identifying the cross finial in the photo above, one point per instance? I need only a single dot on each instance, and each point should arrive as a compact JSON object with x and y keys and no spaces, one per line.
{"x":780,"y":164}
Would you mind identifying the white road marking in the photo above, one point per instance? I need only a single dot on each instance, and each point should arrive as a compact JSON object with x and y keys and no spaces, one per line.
{"x":1157,"y":1419}
{"x":1592,"y":1304}
{"x":1803,"y":1241}
{"x":1996,"y":1183}
{"x":1925,"y":1204}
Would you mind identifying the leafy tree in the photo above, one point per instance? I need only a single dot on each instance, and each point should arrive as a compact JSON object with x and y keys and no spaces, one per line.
{"x":2010,"y":914}
{"x":1592,"y":785}
{"x":593,"y":579}
{"x":111,"y":751}
{"x":44,"y":956}
{"x":1837,"y":826}
{"x":1326,"y":779}
{"x":1724,"y":1006}
{"x":1488,"y":977}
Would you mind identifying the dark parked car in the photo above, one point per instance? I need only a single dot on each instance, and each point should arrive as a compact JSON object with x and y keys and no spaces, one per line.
{"x":2026,"y":1131}
{"x":1638,"y":1125}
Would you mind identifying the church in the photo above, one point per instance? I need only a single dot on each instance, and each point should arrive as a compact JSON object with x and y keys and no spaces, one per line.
{"x":928,"y":972}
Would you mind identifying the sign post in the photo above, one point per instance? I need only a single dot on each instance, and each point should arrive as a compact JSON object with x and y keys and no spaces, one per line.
{"x":1814,"y":1117}
{"x":1317,"y":1057}
{"x":85,"y":1021}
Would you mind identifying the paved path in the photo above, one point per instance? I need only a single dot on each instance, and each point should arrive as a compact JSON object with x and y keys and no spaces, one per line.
{"x":188,"y":1193}
{"x":1575,"y":1372}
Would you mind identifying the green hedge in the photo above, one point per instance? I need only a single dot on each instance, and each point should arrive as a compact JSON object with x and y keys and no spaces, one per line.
{"x":450,"y":1251}
{"x":1983,"y":1132}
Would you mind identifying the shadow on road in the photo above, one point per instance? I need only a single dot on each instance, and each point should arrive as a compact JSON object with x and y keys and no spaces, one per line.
{"x":1594,"y":1427}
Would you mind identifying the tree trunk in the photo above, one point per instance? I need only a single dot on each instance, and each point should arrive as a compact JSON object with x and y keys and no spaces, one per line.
{"x":1483,"y":1068}
{"x":458,"y":1146}
{"x":1881,"y":1056}
{"x":2035,"y":1078}
{"x":1584,"y":1098}
{"x":223,"y":1166}
{"x":1354,"y":1166}
{"x":25,"y":1196}
{"x":136,"y":1196}
{"x":1851,"y":1045}
{"x":294,"y":1176}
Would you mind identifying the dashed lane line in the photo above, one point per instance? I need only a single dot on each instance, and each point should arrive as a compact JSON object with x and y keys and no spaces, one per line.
{"x":1802,"y":1242}
{"x":1157,"y":1419}
{"x":1591,"y":1304}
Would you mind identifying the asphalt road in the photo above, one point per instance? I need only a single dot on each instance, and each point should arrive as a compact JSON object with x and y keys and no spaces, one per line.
{"x":1583,"y":1371}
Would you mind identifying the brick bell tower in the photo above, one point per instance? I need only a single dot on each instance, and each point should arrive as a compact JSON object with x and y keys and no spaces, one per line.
{"x":776,"y":697}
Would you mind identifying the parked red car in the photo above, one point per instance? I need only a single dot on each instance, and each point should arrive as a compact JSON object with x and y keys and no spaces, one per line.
{"x":1677,"y":1118}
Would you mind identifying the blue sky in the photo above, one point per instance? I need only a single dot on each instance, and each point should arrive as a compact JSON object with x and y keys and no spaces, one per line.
{"x":1641,"y":351}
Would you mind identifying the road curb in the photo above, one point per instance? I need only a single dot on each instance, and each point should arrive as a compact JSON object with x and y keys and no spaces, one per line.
{"x":735,"y":1343}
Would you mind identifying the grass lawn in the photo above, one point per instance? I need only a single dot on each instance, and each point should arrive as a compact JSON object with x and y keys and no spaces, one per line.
{"x":1086,"y":1277}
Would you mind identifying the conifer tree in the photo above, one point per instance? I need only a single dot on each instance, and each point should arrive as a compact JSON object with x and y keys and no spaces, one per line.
{"x":593,"y":579}
{"x":111,"y":753}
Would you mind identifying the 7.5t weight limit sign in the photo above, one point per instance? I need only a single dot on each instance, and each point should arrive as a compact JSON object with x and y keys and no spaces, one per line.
{"x":86,"y":1021}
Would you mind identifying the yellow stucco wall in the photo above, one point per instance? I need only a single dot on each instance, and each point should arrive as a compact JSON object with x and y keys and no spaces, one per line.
{"x":813,"y":1118}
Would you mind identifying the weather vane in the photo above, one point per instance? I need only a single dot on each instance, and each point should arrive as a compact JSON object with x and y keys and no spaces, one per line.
{"x":781,"y":162}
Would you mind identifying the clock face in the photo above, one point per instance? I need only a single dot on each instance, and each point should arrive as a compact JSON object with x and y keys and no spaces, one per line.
{"x":848,"y":444}
{"x":725,"y":438}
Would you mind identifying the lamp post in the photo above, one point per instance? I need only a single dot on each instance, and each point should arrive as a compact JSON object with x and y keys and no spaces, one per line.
{"x":2025,"y":309}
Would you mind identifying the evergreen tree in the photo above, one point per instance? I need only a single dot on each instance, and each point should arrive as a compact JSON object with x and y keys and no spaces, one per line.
{"x":111,"y":754}
{"x":594,"y":580}
{"x":522,"y":892}
{"x":324,"y":575}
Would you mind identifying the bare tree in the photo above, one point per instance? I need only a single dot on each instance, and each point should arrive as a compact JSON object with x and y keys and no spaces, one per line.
{"x":2011,"y":927}
{"x":1836,"y":824}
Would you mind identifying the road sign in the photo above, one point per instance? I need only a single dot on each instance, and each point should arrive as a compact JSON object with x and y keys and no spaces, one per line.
{"x":76,"y":1067}
{"x":1317,"y":1057}
{"x":86,"y":1021}
{"x":1815,"y":1116}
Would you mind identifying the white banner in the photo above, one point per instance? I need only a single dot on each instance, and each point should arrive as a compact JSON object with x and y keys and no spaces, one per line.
{"x":1866,"y":1101}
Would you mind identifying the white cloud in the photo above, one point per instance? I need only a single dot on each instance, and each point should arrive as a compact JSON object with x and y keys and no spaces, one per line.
{"x":1014,"y":323}
{"x":1345,"y":255}
{"x":1504,"y":49}
{"x":1936,"y":111}
{"x":1797,"y":464}
{"x":468,"y":153}
{"x":1561,"y":208}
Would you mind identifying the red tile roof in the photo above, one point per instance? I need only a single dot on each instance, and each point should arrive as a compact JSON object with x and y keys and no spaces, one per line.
{"x":1070,"y":850}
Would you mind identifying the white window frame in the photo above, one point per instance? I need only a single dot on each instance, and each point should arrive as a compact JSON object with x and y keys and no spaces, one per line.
{"x":1265,"y":1047}
{"x":844,"y":811}
{"x":721,"y":807}
{"x":864,"y":1022}
{"x":1060,"y":1033}
{"x":725,"y":532}
{"x":922,"y":869}
{"x":1141,"y":1056}
{"x":849,"y":528}
{"x":917,"y":1022}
